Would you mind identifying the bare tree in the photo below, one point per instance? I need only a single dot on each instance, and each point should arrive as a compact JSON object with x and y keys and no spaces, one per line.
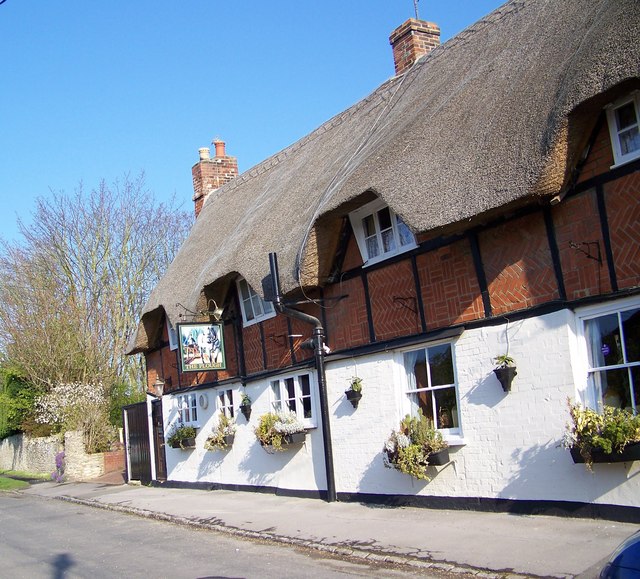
{"x":72,"y":289}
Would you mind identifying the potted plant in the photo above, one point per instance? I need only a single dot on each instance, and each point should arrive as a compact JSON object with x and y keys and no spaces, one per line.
{"x":222,"y":436}
{"x":505,"y":371}
{"x":245,"y":406}
{"x":277,"y":429}
{"x":354,"y":393}
{"x":610,"y":436}
{"x":182,"y":436}
{"x":415,"y":446}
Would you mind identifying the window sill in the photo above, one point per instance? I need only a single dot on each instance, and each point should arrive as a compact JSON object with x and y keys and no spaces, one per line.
{"x":455,"y":440}
{"x":389,"y":255}
{"x":625,"y":161}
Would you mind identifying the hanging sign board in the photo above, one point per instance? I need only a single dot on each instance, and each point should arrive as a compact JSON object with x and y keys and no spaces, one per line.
{"x":201,"y":347}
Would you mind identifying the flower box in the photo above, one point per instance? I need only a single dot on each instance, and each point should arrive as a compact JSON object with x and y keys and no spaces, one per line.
{"x":630,"y":452}
{"x":229,"y":438}
{"x":185,"y":443}
{"x":439,"y":458}
{"x":295,"y":438}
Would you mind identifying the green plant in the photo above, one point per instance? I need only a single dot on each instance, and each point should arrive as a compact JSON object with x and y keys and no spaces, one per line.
{"x":504,"y":361}
{"x":408,"y":449}
{"x":356,"y":384}
{"x":273,"y":428}
{"x":609,"y":431}
{"x":217,"y":439}
{"x":179,"y":433}
{"x":245,"y":401}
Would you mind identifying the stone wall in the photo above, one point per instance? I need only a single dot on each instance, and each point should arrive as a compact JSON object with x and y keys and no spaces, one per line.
{"x":38,"y":455}
{"x":34,"y":455}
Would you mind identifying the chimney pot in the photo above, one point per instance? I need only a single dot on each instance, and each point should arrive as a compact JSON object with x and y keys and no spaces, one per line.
{"x":219,"y":145}
{"x":204,"y":153}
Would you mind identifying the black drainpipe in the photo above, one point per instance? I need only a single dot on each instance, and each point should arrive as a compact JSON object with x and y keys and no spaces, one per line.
{"x":318,"y":346}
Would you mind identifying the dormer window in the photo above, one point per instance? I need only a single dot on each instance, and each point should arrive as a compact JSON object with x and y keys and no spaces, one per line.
{"x":254,"y":308}
{"x":380,"y":233}
{"x":624,"y":128}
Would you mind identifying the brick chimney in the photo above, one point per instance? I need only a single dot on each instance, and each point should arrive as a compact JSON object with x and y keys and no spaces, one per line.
{"x":412,"y":40}
{"x":210,"y":174}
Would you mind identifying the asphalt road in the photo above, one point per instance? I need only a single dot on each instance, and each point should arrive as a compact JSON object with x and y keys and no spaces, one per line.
{"x":55,"y":539}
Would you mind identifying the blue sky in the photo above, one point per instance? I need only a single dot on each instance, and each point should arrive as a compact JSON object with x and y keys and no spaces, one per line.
{"x":94,"y":90}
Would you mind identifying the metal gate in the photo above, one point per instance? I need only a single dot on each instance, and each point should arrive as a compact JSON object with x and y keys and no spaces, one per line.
{"x":136,"y":430}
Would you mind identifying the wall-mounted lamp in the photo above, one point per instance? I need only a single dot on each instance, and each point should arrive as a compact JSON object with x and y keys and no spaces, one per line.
{"x":159,"y":385}
{"x":216,"y":312}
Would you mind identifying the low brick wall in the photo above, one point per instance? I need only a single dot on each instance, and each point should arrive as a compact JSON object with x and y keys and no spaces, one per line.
{"x":38,"y":455}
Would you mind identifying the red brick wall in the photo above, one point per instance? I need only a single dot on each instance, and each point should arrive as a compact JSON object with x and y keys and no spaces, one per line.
{"x":518,"y":264}
{"x":576,"y":221}
{"x":623,"y":213}
{"x":394,"y":305}
{"x":450,"y":290}
{"x":276,"y":334}
{"x":346,"y":324}
{"x":252,"y":349}
{"x":600,"y":157}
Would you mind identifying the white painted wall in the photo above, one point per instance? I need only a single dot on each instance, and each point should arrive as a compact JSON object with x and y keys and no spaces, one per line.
{"x":511,"y":440}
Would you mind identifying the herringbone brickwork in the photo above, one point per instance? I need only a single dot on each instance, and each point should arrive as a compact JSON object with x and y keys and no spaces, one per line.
{"x":252,"y":349}
{"x":347,"y":325}
{"x":394,"y":305}
{"x":577,"y":228}
{"x":518,"y":264}
{"x":450,"y":290}
{"x":622,"y":198}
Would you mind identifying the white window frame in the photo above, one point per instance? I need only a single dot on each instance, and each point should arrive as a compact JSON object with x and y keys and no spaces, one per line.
{"x":254,"y":301}
{"x":281,"y":401}
{"x":371,"y":209}
{"x":453,"y":434}
{"x":224,"y":402}
{"x":589,"y":390}
{"x":187,"y":408}
{"x":620,"y":158}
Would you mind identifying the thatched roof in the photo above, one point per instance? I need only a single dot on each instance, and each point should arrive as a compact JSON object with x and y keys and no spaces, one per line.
{"x":490,"y":119}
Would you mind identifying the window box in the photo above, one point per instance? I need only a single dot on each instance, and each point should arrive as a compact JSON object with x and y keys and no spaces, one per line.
{"x":276,"y":430}
{"x":439,"y":458}
{"x":631,"y":452}
{"x":184,"y":444}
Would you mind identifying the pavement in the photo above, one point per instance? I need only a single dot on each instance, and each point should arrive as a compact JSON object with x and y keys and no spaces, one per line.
{"x":489,"y":545}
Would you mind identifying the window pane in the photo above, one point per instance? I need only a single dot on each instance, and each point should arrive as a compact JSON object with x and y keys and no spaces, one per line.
{"x":629,"y":141}
{"x":626,"y":116}
{"x":248,"y":310}
{"x":415,"y":364}
{"x":275,"y":395}
{"x":631,"y":330}
{"x":305,"y":386}
{"x":256,"y":302}
{"x":384,"y":218}
{"x":603,"y":339}
{"x":404,"y":233}
{"x":423,"y":401}
{"x":306,"y":407}
{"x":244,"y":289}
{"x":369,"y":226}
{"x":615,"y":388}
{"x":446,"y":408}
{"x":441,"y":365}
{"x":388,"y":241}
{"x":372,"y":247}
